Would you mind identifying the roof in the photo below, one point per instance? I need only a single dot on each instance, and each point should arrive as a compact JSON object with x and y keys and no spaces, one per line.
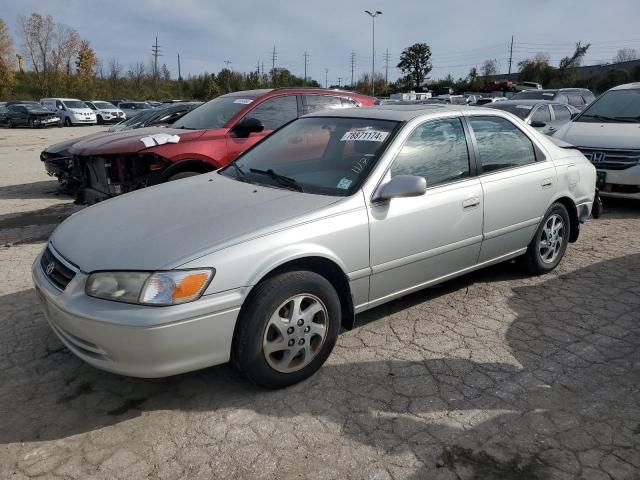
{"x":399,"y":113}
{"x":524,"y":101}
{"x":628,"y":86}
{"x":263,"y":91}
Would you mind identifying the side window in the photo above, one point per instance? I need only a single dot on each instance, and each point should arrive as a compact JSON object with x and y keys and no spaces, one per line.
{"x":315,"y":103}
{"x":501,"y":144}
{"x":562,"y":113}
{"x":575,"y":100}
{"x":541,"y":114}
{"x":435,"y":150}
{"x":276,"y":111}
{"x":347,"y":103}
{"x":561,"y":98}
{"x":59,"y":105}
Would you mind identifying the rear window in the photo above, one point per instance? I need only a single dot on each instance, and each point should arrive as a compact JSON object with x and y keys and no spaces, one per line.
{"x":520,"y":111}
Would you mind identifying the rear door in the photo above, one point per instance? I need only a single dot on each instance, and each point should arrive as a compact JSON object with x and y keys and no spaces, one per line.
{"x":561,"y":115}
{"x":518,"y":183}
{"x":273,"y":113}
{"x":542,"y":114}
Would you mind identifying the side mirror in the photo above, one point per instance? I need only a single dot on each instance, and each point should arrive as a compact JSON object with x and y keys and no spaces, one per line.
{"x":574,"y":115}
{"x":538,"y":124}
{"x":247,"y":126}
{"x":402,"y":186}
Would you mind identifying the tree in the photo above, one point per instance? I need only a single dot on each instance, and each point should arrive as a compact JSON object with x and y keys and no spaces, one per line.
{"x":625,"y":55}
{"x":38,"y":33}
{"x":576,"y":59}
{"x":115,"y":69}
{"x":415,"y":63}
{"x":67,"y":44}
{"x":489,"y":68}
{"x":7,"y":65}
{"x":536,"y":69}
{"x":85,"y":68}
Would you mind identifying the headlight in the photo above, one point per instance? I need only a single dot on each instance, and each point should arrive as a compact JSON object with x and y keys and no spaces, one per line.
{"x":149,"y":288}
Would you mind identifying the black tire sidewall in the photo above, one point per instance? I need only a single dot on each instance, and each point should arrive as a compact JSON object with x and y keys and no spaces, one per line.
{"x":536,"y":264}
{"x":67,"y":122}
{"x":254,"y":318}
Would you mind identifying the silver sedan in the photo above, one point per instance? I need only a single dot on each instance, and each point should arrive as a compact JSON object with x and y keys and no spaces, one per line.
{"x":264,"y":261}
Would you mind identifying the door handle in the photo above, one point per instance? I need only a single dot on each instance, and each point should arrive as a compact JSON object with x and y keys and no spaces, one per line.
{"x":470,"y":203}
{"x":546,"y":183}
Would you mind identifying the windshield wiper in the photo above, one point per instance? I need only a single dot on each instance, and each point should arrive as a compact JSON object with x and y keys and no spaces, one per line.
{"x":281,"y":179}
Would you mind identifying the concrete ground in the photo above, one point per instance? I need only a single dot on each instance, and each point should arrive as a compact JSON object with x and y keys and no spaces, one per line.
{"x":495,"y":375}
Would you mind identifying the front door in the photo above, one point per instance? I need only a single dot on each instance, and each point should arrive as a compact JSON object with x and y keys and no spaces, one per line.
{"x":419,"y":239}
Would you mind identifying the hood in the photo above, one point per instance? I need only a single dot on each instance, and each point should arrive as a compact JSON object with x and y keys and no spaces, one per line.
{"x":126,"y":141}
{"x":601,"y":135}
{"x":165,"y":226}
{"x":62,"y":148}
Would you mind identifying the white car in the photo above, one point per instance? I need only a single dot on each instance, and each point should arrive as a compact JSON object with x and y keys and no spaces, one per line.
{"x":607,"y":132}
{"x":106,"y":112}
{"x":70,"y":110}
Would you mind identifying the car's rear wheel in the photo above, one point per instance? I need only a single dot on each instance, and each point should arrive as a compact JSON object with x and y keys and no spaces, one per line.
{"x":550,"y":241}
{"x":287,"y":329}
{"x":181,"y":175}
{"x":67,"y":122}
{"x":31,"y":124}
{"x":9,"y":124}
{"x":99,"y":120}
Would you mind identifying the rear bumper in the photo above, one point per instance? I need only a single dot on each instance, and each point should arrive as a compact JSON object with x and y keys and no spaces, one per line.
{"x":136,"y":340}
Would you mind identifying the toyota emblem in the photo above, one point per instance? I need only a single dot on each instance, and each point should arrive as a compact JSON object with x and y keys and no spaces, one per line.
{"x":50,"y":268}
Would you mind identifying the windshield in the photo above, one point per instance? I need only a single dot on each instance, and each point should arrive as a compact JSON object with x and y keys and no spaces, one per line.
{"x":326,"y":156}
{"x":134,"y":122}
{"x":104,"y":105}
{"x":36,"y":109}
{"x":213,"y":114}
{"x":518,"y":110}
{"x":614,"y":106}
{"x":75,"y":104}
{"x":534,"y":95}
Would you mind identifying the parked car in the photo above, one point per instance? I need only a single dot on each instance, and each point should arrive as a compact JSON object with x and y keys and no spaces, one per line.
{"x":3,"y":114}
{"x":131,"y":109}
{"x":576,"y":97}
{"x":163,"y":116}
{"x":489,"y":100}
{"x":543,"y":115}
{"x":264,"y":261}
{"x":607,"y":132}
{"x":519,"y":86}
{"x":70,"y":110}
{"x":20,"y":102}
{"x":204,"y":139}
{"x":106,"y":112}
{"x":29,"y":115}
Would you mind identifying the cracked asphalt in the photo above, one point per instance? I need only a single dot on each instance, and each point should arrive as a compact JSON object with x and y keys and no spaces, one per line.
{"x":495,"y":375}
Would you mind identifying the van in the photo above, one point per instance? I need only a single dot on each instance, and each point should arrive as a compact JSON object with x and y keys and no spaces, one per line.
{"x":70,"y":110}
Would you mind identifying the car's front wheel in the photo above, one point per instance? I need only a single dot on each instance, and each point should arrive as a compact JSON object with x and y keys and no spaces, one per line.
{"x":287,"y":329}
{"x":550,"y":241}
{"x":67,"y":122}
{"x":9,"y":124}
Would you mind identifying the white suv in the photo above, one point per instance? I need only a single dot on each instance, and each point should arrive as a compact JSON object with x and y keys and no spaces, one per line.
{"x":607,"y":132}
{"x":106,"y":112}
{"x":71,"y":110}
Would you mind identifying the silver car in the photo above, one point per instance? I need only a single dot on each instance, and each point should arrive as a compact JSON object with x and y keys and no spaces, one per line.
{"x":546,"y":117}
{"x":263,"y":262}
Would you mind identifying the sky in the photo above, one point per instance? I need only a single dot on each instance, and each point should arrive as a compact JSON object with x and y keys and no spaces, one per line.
{"x":461,"y":34}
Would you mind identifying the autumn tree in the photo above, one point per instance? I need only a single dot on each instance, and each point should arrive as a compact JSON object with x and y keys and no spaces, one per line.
{"x":489,"y":68}
{"x":37,"y":32}
{"x":85,"y":69}
{"x":536,"y":69}
{"x":7,"y":65}
{"x":415,"y":63}
{"x":626,"y":55}
{"x":67,"y":45}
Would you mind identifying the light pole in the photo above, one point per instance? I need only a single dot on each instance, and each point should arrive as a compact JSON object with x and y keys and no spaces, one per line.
{"x":373,"y":56}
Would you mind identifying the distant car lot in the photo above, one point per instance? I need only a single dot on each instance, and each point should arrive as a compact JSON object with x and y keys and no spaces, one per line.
{"x":495,"y":372}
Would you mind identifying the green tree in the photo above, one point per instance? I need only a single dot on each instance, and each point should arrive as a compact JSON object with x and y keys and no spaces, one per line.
{"x":7,"y":65}
{"x":415,"y":63}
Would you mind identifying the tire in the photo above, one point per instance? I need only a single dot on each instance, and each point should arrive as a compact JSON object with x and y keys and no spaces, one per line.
{"x":181,"y":175}
{"x":543,"y":255}
{"x":306,"y":343}
{"x":99,"y":120}
{"x":31,"y":124}
{"x":9,"y":124}
{"x":67,"y":122}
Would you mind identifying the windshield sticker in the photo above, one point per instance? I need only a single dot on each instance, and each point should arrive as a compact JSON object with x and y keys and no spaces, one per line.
{"x":244,"y":101}
{"x":525,"y":107}
{"x":159,"y":139}
{"x":364,"y":135}
{"x":344,"y":184}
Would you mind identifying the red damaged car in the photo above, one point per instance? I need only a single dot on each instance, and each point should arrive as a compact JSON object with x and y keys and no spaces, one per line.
{"x":109,"y":164}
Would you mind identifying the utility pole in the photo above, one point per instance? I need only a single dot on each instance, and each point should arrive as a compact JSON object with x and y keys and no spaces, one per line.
{"x":386,"y":71}
{"x":156,"y":51}
{"x":274,"y":56}
{"x":339,"y":82}
{"x":510,"y":54}
{"x":179,"y":71}
{"x":353,"y":65}
{"x":306,"y":63}
{"x":326,"y":77}
{"x":373,"y":45}
{"x":226,"y":64}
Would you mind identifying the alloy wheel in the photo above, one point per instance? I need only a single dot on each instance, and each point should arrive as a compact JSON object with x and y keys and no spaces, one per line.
{"x":551,"y":239}
{"x":295,"y":333}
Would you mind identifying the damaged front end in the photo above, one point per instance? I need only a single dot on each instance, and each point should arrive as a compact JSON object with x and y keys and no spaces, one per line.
{"x":60,"y":165}
{"x":106,"y":176}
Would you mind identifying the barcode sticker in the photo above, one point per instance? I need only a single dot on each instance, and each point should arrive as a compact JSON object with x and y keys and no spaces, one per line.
{"x":364,"y":136}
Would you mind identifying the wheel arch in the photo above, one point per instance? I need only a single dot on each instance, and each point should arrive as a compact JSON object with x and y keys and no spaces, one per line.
{"x":574,"y":221}
{"x":187,"y":165}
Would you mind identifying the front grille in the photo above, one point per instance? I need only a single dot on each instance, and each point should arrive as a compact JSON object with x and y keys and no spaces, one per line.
{"x":612,"y":158}
{"x":56,"y":271}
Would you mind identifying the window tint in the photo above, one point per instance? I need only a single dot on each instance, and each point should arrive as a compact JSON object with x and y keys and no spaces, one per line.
{"x":542,"y":114}
{"x":315,"y":103}
{"x":436,"y":150}
{"x":575,"y":100}
{"x":561,"y":113}
{"x":276,"y":111}
{"x":501,"y":144}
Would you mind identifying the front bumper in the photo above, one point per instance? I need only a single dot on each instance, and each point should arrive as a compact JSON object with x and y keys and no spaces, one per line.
{"x":89,"y":121}
{"x":621,"y":183}
{"x":136,"y":340}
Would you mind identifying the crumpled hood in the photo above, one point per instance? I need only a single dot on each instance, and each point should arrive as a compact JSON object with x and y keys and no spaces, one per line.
{"x":165,"y":226}
{"x":602,"y":135}
{"x":126,"y":141}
